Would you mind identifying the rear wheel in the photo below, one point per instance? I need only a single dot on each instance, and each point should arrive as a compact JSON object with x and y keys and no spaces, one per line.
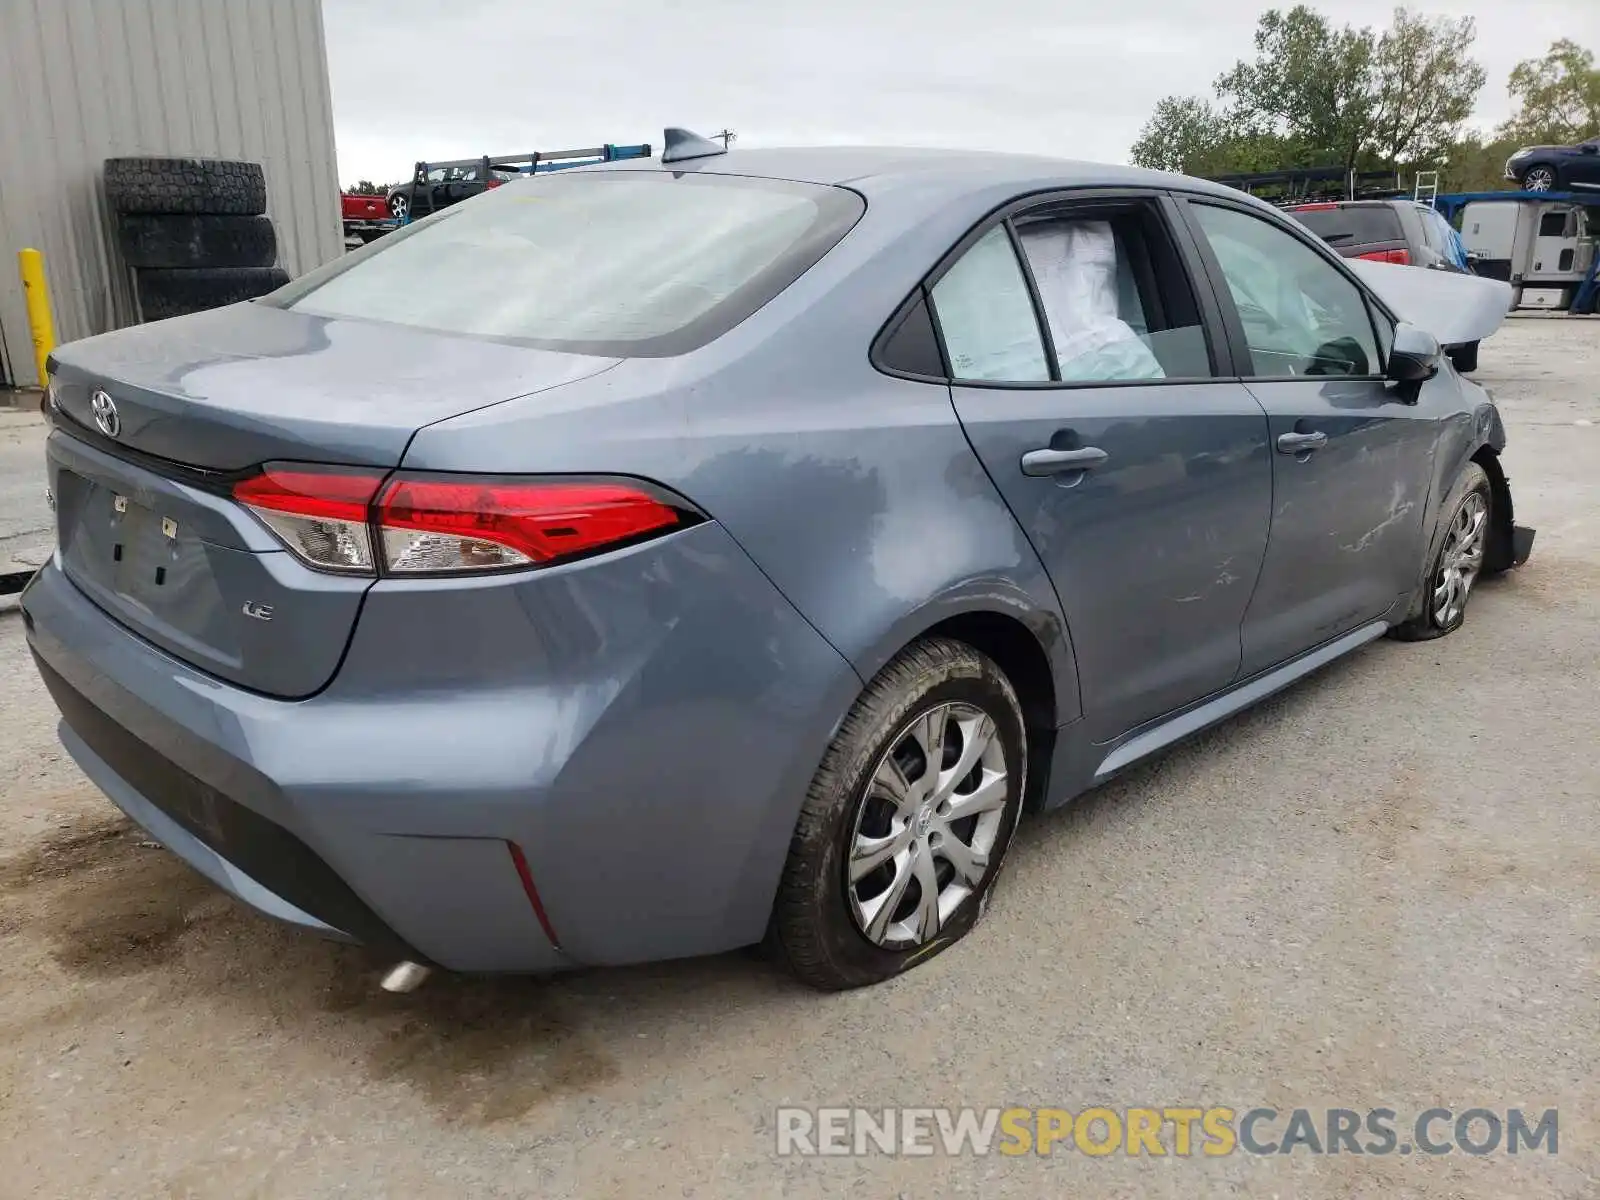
{"x":1538,"y":179}
{"x":907,"y":821}
{"x":1457,"y":563}
{"x":399,"y":206}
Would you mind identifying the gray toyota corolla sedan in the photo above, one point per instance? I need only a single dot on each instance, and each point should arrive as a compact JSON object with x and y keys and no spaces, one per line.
{"x":662,"y":558}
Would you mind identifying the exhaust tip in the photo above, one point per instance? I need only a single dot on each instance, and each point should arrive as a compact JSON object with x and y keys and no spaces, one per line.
{"x":405,"y":977}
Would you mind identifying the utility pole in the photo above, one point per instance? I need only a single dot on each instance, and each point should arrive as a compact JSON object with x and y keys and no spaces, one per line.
{"x":727,"y":135}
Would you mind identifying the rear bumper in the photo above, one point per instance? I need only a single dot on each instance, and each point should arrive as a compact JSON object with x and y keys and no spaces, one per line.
{"x":642,"y":726}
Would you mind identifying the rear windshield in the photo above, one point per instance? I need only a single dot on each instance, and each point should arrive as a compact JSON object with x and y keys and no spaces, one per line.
{"x":1352,"y":226}
{"x":626,"y":263}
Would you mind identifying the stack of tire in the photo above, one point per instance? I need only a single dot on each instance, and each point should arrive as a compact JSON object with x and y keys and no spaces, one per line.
{"x":193,"y":231}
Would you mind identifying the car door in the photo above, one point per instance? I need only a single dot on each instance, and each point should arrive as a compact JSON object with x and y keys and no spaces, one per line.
{"x":1582,"y":167}
{"x":463,"y":182}
{"x":1448,"y":252}
{"x":1352,"y":454}
{"x":1090,"y":379}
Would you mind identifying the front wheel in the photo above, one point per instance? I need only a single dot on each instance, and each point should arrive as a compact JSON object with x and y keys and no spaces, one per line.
{"x":907,"y":821}
{"x":1538,"y":179}
{"x":399,"y":206}
{"x":1458,"y":562}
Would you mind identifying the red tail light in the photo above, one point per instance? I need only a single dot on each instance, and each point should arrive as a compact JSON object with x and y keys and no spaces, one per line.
{"x":442,"y":524}
{"x":319,"y":513}
{"x":1311,"y":207}
{"x":1401,"y":257}
{"x":336,"y":519}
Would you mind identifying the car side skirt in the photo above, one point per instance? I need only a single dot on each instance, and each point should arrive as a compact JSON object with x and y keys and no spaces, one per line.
{"x":1080,"y":765}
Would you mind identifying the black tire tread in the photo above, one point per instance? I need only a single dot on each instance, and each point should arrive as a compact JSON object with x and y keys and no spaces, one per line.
{"x":163,"y":242}
{"x":193,"y":186}
{"x":177,"y":293}
{"x":794,"y":937}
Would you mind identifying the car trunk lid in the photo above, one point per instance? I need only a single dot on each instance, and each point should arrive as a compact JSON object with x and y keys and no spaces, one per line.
{"x":248,"y":384}
{"x":145,"y":525}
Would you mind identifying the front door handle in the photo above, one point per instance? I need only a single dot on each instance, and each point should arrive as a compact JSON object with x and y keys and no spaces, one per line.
{"x":1301,"y":443}
{"x":1056,"y":462}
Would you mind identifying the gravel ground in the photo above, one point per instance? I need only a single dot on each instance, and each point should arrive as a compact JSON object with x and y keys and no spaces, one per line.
{"x":1381,"y":888}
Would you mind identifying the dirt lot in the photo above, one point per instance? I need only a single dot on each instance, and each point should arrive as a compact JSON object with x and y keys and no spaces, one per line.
{"x":1382,"y":888}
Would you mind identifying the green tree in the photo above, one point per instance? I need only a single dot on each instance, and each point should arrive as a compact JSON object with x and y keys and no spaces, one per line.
{"x":1309,"y":82}
{"x":1475,"y":164}
{"x":1425,"y":84}
{"x":1183,"y":134}
{"x":1320,"y":95}
{"x":1190,"y":135}
{"x":1557,"y":97}
{"x":365,"y":187}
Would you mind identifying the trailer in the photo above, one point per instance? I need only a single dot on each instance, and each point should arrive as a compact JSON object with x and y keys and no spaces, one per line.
{"x":437,"y":185}
{"x":1546,"y":245}
{"x":1309,"y":185}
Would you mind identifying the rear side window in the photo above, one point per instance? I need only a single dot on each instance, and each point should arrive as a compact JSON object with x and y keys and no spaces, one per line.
{"x":1352,"y":225}
{"x":986,"y":315}
{"x":626,"y":263}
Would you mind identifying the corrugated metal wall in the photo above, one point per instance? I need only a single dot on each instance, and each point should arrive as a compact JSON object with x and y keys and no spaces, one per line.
{"x":86,"y":80}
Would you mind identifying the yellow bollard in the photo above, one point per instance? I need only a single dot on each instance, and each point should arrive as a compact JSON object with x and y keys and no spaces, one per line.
{"x":37,"y":292}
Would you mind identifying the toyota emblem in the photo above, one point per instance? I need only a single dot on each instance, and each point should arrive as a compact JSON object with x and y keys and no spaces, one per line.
{"x":105,"y":413}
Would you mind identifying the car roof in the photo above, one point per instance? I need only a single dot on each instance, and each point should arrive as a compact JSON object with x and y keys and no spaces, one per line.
{"x":875,"y":169}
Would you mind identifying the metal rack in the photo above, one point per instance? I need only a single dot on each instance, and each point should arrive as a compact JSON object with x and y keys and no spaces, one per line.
{"x":538,"y":162}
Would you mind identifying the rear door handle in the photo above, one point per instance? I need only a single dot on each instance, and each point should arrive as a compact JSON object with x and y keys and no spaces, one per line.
{"x":1056,"y":462}
{"x":1301,"y":443}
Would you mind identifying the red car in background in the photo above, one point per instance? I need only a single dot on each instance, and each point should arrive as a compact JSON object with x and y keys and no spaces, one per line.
{"x":365,"y":217}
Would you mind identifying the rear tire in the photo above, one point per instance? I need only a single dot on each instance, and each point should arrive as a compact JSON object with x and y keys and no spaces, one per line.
{"x":194,"y":186}
{"x":1465,"y":357}
{"x":165,"y":242}
{"x":819,"y":923}
{"x":1467,"y":524}
{"x":164,"y":294}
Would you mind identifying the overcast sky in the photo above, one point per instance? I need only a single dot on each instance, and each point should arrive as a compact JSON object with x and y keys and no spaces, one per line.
{"x":1075,"y":78}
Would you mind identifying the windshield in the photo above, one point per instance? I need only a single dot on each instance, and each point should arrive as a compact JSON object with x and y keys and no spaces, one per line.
{"x":1353,"y":225}
{"x":627,"y":263}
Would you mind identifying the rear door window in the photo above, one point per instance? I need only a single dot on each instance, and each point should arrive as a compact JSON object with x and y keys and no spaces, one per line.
{"x":1117,"y":303}
{"x":617,"y":263}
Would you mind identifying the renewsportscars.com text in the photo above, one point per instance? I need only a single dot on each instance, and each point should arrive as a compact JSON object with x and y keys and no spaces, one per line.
{"x":1177,"y":1130}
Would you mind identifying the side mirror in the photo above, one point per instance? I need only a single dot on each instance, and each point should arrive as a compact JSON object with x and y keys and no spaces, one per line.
{"x":1414,"y":357}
